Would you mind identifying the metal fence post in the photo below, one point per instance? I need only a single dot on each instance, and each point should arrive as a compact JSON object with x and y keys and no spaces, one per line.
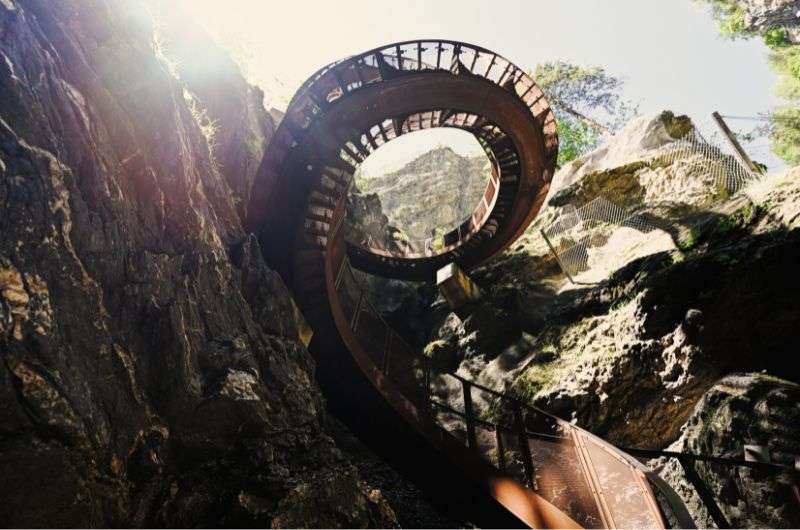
{"x":501,"y":452}
{"x":734,"y":143}
{"x":704,"y":493}
{"x":469,"y":415}
{"x":525,"y":450}
{"x":555,"y":255}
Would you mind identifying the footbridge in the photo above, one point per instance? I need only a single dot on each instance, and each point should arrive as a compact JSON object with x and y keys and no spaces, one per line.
{"x":517,"y":466}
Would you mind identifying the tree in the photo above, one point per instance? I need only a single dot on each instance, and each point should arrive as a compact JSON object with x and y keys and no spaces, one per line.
{"x":730,"y":15}
{"x":783,"y":125}
{"x":587,"y":103}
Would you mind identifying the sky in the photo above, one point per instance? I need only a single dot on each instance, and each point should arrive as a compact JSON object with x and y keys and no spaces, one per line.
{"x":669,"y":52}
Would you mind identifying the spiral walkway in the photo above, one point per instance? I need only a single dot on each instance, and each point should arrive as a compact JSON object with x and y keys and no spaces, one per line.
{"x":517,"y":466}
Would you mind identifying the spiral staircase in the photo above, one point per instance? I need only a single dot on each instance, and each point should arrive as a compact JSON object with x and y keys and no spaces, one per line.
{"x":517,"y":466}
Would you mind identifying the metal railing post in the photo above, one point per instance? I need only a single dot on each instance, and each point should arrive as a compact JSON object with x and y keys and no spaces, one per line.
{"x":525,"y":450}
{"x":704,"y":493}
{"x":472,"y":441}
{"x":501,"y":451}
{"x":741,"y":154}
{"x":555,"y":255}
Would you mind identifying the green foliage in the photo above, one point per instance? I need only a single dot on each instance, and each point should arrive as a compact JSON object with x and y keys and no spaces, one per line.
{"x":730,"y":15}
{"x":785,"y":134}
{"x":690,"y":241}
{"x":776,"y":37}
{"x":587,"y":104}
{"x":400,"y":235}
{"x":784,"y":129}
{"x":739,"y":219}
{"x":575,"y":138}
{"x":727,"y":224}
{"x":786,"y":61}
{"x":536,"y":378}
{"x":733,"y":23}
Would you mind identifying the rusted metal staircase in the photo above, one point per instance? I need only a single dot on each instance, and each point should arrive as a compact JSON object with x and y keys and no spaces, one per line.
{"x":520,"y":466}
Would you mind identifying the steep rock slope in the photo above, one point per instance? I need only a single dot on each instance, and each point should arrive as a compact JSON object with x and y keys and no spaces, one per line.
{"x":436,"y":190}
{"x":151,"y":368}
{"x":631,"y":357}
{"x":753,"y":409}
{"x":760,"y":16}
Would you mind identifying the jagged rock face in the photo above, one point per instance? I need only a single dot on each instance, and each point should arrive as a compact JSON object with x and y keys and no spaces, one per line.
{"x":637,"y":166}
{"x":660,"y":333}
{"x":368,"y":225}
{"x":763,"y":15}
{"x":230,"y":110}
{"x":151,"y":370}
{"x":752,"y":409}
{"x":438,"y":189}
{"x":631,"y":357}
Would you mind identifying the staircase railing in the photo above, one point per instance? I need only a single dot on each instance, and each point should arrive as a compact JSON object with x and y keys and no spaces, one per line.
{"x":583,"y":476}
{"x":592,"y":481}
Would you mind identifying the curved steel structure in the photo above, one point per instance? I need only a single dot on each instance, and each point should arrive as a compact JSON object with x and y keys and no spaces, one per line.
{"x":521,"y":465}
{"x":348,"y":109}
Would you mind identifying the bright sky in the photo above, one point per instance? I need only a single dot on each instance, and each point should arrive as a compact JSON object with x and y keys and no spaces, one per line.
{"x":669,"y":52}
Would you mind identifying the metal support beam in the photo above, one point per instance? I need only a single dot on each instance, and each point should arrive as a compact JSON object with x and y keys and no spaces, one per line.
{"x":469,"y":415}
{"x":501,"y":451}
{"x":555,"y":255}
{"x":524,"y":448}
{"x":734,"y":143}
{"x":704,"y":493}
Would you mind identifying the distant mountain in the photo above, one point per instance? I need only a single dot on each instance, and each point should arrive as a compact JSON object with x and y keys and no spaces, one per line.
{"x":437,"y":190}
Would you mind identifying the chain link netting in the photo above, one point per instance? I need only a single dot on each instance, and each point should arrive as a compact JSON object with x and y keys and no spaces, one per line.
{"x":710,"y":157}
{"x":590,"y":240}
{"x":579,"y":235}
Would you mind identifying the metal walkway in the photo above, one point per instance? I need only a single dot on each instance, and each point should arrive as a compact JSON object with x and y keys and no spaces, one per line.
{"x":519,"y":466}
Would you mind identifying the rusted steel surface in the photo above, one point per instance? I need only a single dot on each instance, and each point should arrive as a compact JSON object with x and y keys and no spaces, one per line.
{"x":350,"y":108}
{"x":564,"y":473}
{"x":544,"y":471}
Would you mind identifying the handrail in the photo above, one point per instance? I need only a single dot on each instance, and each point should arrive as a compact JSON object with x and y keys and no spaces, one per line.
{"x":315,"y":154}
{"x":517,"y":426}
{"x":385,"y":62}
{"x":319,"y":72}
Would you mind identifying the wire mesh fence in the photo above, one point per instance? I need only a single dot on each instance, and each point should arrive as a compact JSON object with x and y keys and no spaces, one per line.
{"x":709,"y":158}
{"x":598,"y":232}
{"x":592,"y":240}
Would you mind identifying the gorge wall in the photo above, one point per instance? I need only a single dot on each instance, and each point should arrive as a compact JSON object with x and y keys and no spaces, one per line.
{"x":688,"y":343}
{"x":152,"y":369}
{"x":436,"y":190}
{"x":152,"y":372}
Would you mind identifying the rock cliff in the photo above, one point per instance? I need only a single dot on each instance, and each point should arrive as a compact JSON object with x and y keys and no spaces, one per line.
{"x":436,"y":190}
{"x":152,"y":372}
{"x":761,"y":16}
{"x":753,"y":409}
{"x":638,"y":354}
